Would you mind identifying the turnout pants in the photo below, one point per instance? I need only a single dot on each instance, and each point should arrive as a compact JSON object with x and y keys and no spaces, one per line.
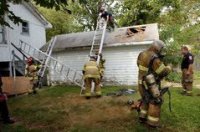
{"x":187,"y":81}
{"x":88,"y":86}
{"x":34,"y":83}
{"x":149,"y":112}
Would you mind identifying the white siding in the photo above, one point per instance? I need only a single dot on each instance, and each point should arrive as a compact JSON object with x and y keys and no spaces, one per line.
{"x":36,"y":36}
{"x":5,"y":53}
{"x":74,"y":59}
{"x":120,"y":63}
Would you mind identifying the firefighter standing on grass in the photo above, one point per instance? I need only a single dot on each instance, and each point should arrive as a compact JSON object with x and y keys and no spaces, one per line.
{"x":151,"y":71}
{"x":187,"y":71}
{"x":91,"y":74}
{"x":31,"y":72}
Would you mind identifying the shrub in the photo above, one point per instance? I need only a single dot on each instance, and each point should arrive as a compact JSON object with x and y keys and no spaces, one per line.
{"x":174,"y":77}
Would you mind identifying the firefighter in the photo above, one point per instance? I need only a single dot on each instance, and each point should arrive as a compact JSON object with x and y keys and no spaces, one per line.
{"x":91,"y":74}
{"x":151,"y":72}
{"x":31,"y":71}
{"x":107,"y":17}
{"x":187,"y":71}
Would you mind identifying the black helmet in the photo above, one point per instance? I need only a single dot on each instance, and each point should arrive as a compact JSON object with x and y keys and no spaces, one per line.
{"x":93,"y":58}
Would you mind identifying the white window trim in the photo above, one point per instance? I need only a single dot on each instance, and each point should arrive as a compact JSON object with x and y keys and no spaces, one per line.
{"x":25,"y":33}
{"x":3,"y":35}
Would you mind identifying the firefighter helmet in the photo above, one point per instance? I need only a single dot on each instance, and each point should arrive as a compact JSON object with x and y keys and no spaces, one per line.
{"x":157,"y":47}
{"x":30,"y":60}
{"x":93,"y":57}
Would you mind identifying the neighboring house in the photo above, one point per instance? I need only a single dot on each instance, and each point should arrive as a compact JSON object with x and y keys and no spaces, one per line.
{"x":31,"y":31}
{"x":120,"y":51}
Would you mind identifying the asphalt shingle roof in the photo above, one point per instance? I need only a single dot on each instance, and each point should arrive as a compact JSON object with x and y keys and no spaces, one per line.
{"x":119,"y":35}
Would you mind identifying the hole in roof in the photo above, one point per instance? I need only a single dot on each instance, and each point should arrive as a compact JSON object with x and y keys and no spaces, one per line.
{"x":134,"y":30}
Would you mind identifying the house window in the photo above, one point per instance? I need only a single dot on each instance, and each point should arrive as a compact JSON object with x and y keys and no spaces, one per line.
{"x":2,"y":35}
{"x":25,"y":27}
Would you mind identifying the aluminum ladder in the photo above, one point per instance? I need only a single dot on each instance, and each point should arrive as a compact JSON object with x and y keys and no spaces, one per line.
{"x":45,"y":60}
{"x":48,"y":61}
{"x":97,"y":43}
{"x":98,"y":39}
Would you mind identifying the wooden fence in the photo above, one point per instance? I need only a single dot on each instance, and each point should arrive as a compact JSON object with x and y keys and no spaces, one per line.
{"x":15,"y":86}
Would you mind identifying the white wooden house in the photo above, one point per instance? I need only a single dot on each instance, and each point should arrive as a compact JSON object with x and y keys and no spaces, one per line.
{"x":120,"y":51}
{"x":31,"y":31}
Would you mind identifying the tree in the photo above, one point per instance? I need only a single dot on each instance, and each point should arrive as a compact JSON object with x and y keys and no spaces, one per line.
{"x":4,"y":8}
{"x":62,"y":22}
{"x":86,"y":12}
{"x":179,"y":27}
{"x":136,"y":12}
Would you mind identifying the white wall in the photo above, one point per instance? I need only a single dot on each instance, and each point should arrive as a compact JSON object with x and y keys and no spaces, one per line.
{"x":120,"y":63}
{"x":36,"y":36}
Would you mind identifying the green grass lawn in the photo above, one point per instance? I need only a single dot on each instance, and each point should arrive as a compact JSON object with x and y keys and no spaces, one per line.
{"x":61,"y":109}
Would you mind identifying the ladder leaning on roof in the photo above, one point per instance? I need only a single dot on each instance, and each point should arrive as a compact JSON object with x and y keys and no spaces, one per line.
{"x":48,"y":61}
{"x":97,"y":43}
{"x":98,"y":39}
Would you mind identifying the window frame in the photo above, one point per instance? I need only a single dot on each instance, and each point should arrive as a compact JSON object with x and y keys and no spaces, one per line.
{"x":3,"y":35}
{"x":25,"y":30}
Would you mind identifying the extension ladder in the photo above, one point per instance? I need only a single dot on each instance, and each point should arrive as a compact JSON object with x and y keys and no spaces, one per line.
{"x":48,"y":61}
{"x":98,"y":39}
{"x":97,"y":44}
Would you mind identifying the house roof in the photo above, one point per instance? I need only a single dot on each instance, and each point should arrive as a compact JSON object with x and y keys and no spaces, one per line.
{"x":115,"y":38}
{"x":37,"y":14}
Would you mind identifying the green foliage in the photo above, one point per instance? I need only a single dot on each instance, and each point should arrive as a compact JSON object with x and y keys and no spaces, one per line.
{"x":143,"y":11}
{"x":86,"y":12}
{"x":62,"y":22}
{"x":173,"y":54}
{"x":174,"y":77}
{"x":4,"y":8}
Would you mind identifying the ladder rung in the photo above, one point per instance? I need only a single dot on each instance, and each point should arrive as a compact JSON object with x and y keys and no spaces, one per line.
{"x":55,"y":65}
{"x":100,"y":34}
{"x":97,"y":41}
{"x":95,"y":50}
{"x":67,"y":72}
{"x":61,"y":68}
{"x":74,"y":76}
{"x":98,"y":38}
{"x":95,"y":45}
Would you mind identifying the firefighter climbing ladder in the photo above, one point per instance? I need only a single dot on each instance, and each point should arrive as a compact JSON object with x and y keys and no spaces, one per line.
{"x":48,"y":61}
{"x":97,"y":43}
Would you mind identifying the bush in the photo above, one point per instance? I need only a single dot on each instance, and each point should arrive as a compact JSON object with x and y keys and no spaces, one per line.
{"x":174,"y":77}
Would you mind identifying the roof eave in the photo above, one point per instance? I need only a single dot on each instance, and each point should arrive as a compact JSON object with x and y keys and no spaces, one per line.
{"x":37,"y":14}
{"x":130,"y":43}
{"x":143,"y":43}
